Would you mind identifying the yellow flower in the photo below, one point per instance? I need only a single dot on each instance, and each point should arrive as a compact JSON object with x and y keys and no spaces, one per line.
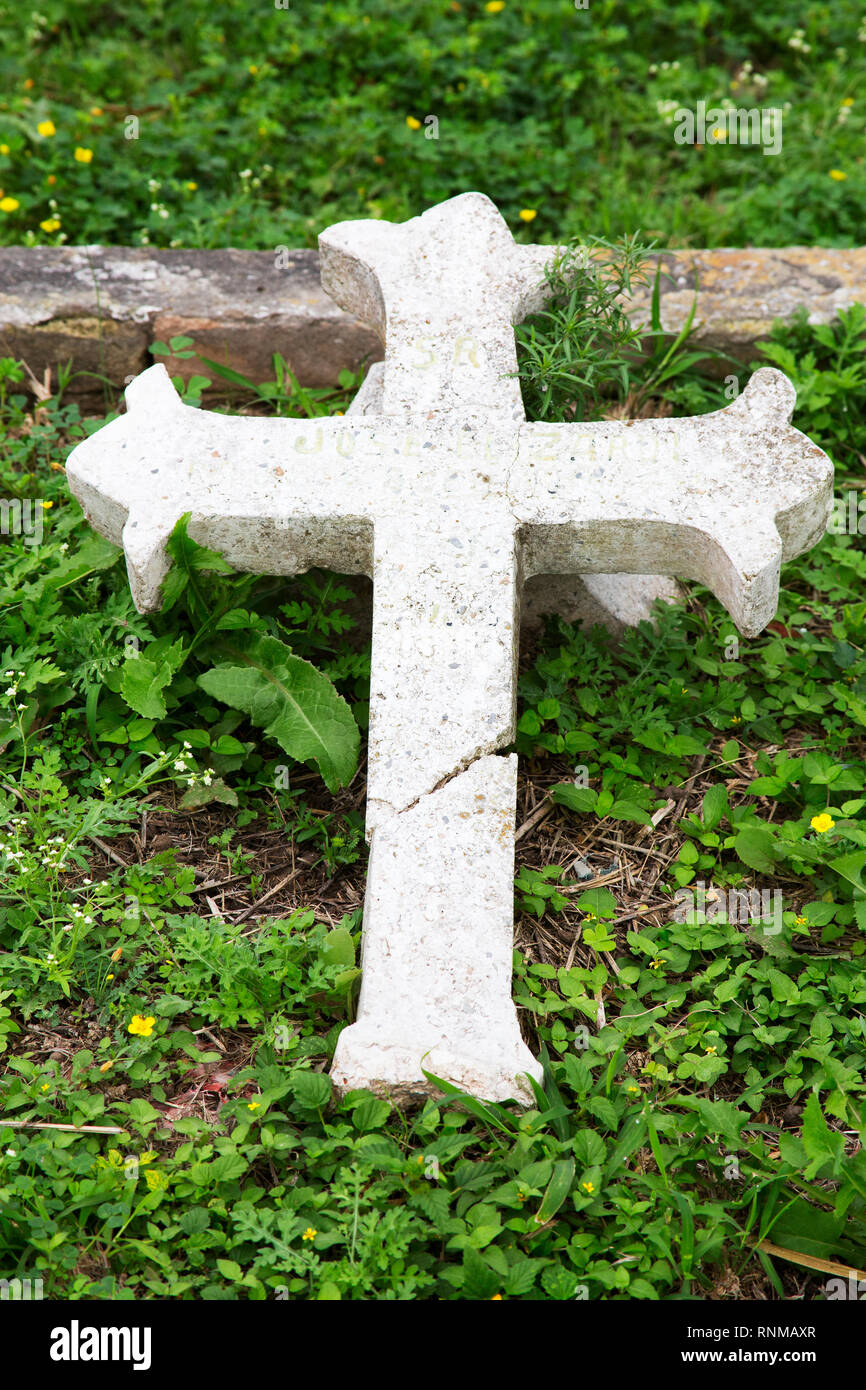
{"x":310,"y":1233}
{"x":736,"y":719}
{"x":838,"y":175}
{"x":28,"y":84}
{"x":115,"y":955}
{"x":140,"y":1026}
{"x":253,"y":68}
{"x":801,"y":921}
{"x":9,"y":204}
{"x":822,"y":823}
{"x":51,"y":224}
{"x":83,"y":156}
{"x":191,"y":185}
{"x":46,"y":506}
{"x":633,"y":1090}
{"x":254,"y":1105}
{"x":109,"y":977}
{"x":96,"y":110}
{"x":46,"y":1087}
{"x":497,"y":1298}
{"x":588,"y":1186}
{"x":847,"y":101}
{"x":46,"y":128}
{"x":413,"y":123}
{"x":528,"y":214}
{"x":494,"y":6}
{"x":711,"y":1051}
{"x":656,"y":964}
{"x":4,"y":149}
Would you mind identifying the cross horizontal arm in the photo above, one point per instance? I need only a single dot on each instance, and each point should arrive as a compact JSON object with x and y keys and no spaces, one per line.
{"x":273,"y":496}
{"x":722,"y":498}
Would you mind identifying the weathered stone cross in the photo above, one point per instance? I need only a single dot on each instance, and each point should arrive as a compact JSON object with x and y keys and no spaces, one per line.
{"x":436,"y":486}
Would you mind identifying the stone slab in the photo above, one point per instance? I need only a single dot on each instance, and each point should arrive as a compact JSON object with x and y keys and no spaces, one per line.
{"x":102,"y":306}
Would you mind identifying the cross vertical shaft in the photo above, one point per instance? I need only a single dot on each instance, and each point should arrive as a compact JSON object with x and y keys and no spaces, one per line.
{"x":440,"y":809}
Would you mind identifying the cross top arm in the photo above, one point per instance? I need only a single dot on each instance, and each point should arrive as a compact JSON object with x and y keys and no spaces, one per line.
{"x":443,"y":290}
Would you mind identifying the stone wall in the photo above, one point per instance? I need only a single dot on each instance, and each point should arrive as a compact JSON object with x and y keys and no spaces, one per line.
{"x":101,"y":307}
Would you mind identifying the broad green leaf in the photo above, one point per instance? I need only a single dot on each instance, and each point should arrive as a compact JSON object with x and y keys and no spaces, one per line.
{"x":479,"y":1280}
{"x":756,"y":847}
{"x":370,"y":1113}
{"x":559,"y":1283}
{"x":714,"y":805}
{"x":190,"y":560}
{"x":312,"y":1089}
{"x":557,"y":1190}
{"x":142,"y":685}
{"x":580,"y":799}
{"x":822,"y":1144}
{"x":600,"y":902}
{"x":338,"y":947}
{"x":850,"y":867}
{"x":296,"y":705}
{"x":629,"y":810}
{"x":146,"y":676}
{"x":589,"y":1148}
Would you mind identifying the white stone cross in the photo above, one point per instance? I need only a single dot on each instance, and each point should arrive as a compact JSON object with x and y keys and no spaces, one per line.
{"x":437,"y":486}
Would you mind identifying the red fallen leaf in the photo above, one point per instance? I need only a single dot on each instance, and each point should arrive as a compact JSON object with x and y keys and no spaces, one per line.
{"x":218,"y":1080}
{"x":780,"y":628}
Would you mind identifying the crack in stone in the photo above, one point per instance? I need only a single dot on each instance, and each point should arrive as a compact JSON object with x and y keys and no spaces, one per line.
{"x":484,"y":751}
{"x":463,"y":766}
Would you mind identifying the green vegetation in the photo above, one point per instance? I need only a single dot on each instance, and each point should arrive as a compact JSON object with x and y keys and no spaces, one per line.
{"x":704,"y":1078}
{"x":223,"y":122}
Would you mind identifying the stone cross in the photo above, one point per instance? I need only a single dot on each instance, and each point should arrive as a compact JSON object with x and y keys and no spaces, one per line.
{"x":436,"y":486}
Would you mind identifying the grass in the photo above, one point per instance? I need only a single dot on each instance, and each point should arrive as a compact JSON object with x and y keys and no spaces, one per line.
{"x":180,"y":921}
{"x":261,"y":133}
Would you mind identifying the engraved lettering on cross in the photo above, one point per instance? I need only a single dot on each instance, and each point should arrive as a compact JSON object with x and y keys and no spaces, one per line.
{"x":435,"y":484}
